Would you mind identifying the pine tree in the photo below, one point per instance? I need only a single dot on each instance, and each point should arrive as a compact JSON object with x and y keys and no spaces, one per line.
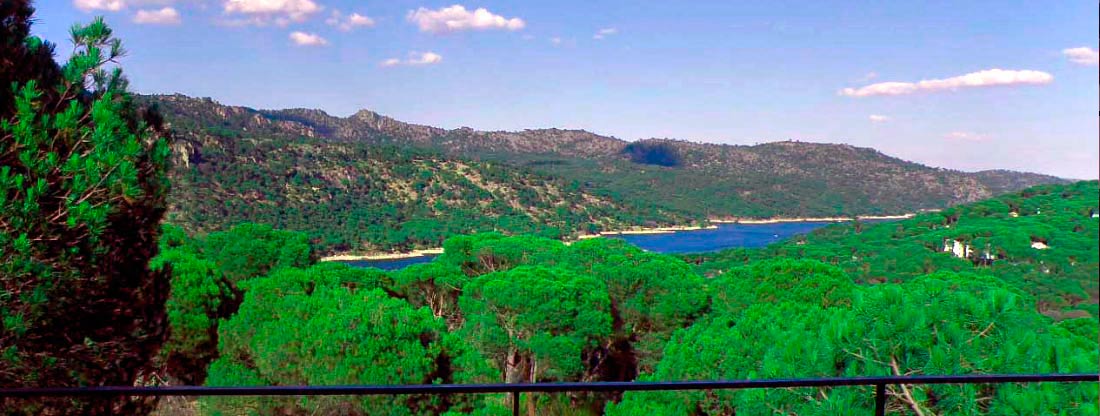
{"x":82,"y":193}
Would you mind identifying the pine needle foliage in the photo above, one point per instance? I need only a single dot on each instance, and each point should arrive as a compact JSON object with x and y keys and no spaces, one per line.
{"x":82,"y":193}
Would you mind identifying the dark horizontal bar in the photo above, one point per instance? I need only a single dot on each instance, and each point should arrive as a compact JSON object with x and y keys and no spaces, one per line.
{"x":537,"y":387}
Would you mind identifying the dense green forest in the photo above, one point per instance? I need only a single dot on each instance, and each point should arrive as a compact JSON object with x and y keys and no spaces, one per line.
{"x":97,"y":290}
{"x":1042,"y":240}
{"x":251,"y":307}
{"x":371,"y":183}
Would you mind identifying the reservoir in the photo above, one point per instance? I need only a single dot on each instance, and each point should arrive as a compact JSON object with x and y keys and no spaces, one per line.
{"x":724,"y":237}
{"x":696,"y":241}
{"x":393,"y":264}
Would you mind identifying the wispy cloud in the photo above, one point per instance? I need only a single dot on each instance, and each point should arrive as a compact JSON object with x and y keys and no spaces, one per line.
{"x":307,"y":39}
{"x":869,"y":76}
{"x":456,"y":19}
{"x":280,"y":12}
{"x":349,"y":22}
{"x":555,"y":41}
{"x":605,"y":32}
{"x":986,"y":78}
{"x":165,"y":16}
{"x":426,"y":58}
{"x":107,"y":5}
{"x":965,"y":135}
{"x":877,"y":118}
{"x":415,"y":58}
{"x":1083,"y":55}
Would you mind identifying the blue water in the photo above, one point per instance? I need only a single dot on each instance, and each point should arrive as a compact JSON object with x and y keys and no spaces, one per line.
{"x":699,"y":241}
{"x":394,"y":264}
{"x":724,"y":237}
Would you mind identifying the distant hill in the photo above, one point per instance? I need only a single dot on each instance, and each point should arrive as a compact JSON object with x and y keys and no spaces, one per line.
{"x":608,"y":180}
{"x":1042,"y":240}
{"x":1004,"y":181}
{"x":236,"y":165}
{"x":775,"y":179}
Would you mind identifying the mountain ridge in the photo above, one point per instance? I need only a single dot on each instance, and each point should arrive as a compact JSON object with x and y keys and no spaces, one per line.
{"x":385,"y":122}
{"x":389,"y":124}
{"x":380,"y":123}
{"x":396,"y":179}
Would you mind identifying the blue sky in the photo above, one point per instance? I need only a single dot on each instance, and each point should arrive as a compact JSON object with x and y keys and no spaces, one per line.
{"x":715,"y":71}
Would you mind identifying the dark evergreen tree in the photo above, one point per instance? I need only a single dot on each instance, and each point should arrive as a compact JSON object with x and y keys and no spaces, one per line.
{"x":82,"y":193}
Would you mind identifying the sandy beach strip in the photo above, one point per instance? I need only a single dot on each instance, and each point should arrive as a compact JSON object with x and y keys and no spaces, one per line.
{"x":808,"y":219}
{"x":657,"y":230}
{"x":384,"y":256}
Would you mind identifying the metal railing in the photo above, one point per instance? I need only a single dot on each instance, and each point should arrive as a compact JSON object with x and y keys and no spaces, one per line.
{"x":516,"y":389}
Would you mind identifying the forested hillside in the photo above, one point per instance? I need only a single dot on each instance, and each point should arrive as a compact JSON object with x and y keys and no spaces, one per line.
{"x":368,"y":182}
{"x":784,"y":179}
{"x":773,"y":179}
{"x":1042,"y":240}
{"x":234,"y":165}
{"x":249,"y":307}
{"x":180,"y":243}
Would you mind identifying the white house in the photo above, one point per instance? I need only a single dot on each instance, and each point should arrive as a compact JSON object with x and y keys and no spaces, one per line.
{"x":957,"y":248}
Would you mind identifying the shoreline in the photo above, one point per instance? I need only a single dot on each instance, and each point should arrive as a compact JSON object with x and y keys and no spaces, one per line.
{"x":435,"y":251}
{"x":654,"y":230}
{"x":439,"y":250}
{"x":756,"y":221}
{"x":384,"y":256}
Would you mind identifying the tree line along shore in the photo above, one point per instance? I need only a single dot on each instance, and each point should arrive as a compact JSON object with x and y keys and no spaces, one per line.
{"x":711,"y":225}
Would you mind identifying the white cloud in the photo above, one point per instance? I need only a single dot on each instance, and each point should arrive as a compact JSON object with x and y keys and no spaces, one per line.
{"x":1083,"y":55}
{"x":555,"y":41}
{"x":456,"y":18}
{"x":108,"y":5}
{"x":870,"y":75}
{"x":602,"y":33}
{"x":876,"y":118}
{"x":262,"y":12}
{"x":349,"y":22}
{"x":415,"y":58}
{"x":964,"y":135}
{"x":426,"y":58}
{"x":165,"y":16}
{"x":986,"y":78}
{"x":307,"y":39}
